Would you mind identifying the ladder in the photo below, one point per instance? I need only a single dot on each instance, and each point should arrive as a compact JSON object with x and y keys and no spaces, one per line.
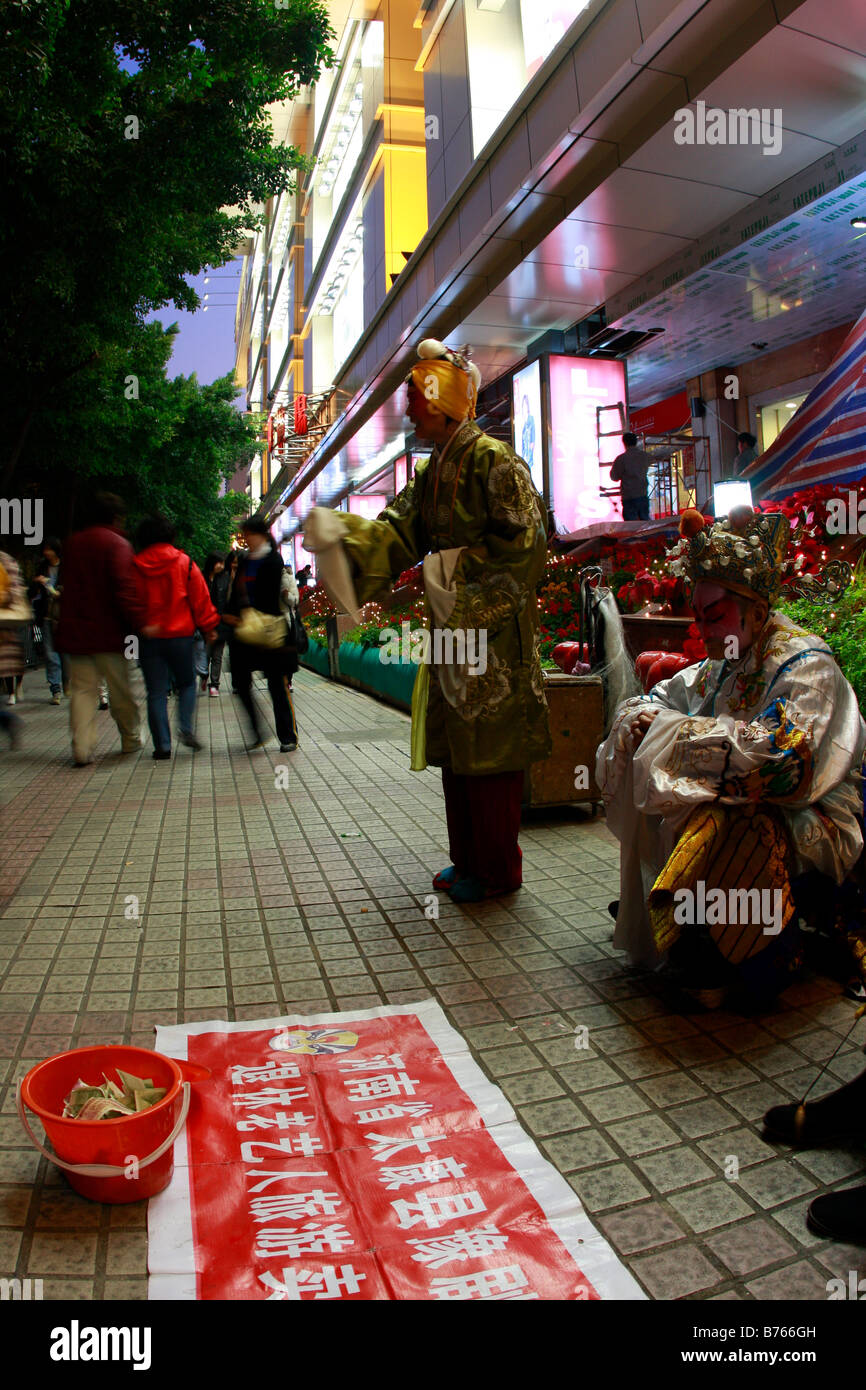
{"x":600,"y":434}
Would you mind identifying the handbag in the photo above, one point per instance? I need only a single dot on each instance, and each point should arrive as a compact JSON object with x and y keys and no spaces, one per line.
{"x":299,"y":639}
{"x":258,"y":629}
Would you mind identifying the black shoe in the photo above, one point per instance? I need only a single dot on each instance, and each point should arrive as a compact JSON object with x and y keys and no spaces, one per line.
{"x":288,"y":747}
{"x":190,"y":741}
{"x":819,"y":1126}
{"x":613,"y":909}
{"x":159,"y":755}
{"x":103,"y":704}
{"x":840,"y":1216}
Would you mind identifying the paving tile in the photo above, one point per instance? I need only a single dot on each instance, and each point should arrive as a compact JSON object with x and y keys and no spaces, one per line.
{"x":612,"y":1186}
{"x":643,"y":1134}
{"x":586,"y":1149}
{"x":676,"y":1272}
{"x":712,"y":1205}
{"x":771,"y":1184}
{"x":795,"y":1283}
{"x":670,"y":1169}
{"x":552,"y":1117}
{"x":642,"y":1227}
{"x":750,"y":1246}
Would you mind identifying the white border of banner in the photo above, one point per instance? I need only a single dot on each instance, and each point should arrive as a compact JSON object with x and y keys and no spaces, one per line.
{"x":171,"y":1249}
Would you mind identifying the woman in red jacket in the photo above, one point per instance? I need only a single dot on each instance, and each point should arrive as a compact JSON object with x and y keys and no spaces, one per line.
{"x":177,"y":602}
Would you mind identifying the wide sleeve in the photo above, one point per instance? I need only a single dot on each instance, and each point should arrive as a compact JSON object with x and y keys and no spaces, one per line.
{"x":805,"y":741}
{"x":496,"y":578}
{"x":673,"y":698}
{"x":378,"y":551}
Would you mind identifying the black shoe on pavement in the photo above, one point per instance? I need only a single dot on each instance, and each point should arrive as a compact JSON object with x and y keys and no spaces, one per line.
{"x":190,"y":741}
{"x":613,"y":908}
{"x":288,"y":747}
{"x":840,"y":1216}
{"x":820,"y":1123}
{"x":159,"y":755}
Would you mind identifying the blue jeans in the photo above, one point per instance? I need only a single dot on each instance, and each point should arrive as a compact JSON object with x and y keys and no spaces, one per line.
{"x":53,"y":665}
{"x":161,"y":659}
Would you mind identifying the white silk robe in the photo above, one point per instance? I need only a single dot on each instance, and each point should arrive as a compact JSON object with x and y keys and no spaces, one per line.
{"x":781,"y":726}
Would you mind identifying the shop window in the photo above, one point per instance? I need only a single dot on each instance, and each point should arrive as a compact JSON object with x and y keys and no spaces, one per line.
{"x":772,"y":419}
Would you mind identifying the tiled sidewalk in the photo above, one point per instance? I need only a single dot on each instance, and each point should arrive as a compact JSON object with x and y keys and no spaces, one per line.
{"x":253,"y":901}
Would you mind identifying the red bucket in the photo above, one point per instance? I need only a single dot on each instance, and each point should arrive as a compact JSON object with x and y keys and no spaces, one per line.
{"x":121,"y":1160}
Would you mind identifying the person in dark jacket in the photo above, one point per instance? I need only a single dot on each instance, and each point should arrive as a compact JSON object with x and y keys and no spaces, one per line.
{"x":177,"y":602}
{"x":260,"y":584}
{"x":209,"y":661}
{"x":103,"y":608}
{"x":45,"y":597}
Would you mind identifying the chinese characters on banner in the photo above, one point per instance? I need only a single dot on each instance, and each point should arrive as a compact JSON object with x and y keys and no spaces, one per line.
{"x":342,"y":1158}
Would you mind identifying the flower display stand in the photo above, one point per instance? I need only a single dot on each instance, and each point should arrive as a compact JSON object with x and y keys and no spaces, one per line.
{"x":577,"y":728}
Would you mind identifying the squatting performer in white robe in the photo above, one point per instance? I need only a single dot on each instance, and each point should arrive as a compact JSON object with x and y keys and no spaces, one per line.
{"x":738,"y":773}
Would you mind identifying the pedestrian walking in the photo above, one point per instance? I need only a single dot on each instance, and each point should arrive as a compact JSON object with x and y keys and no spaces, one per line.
{"x":176,"y":603}
{"x":258,"y":606}
{"x":102,"y":610}
{"x":209,"y":661}
{"x":45,"y":597}
{"x":15,"y":613}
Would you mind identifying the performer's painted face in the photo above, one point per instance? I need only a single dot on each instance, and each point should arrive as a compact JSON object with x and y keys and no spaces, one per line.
{"x":427,"y":418}
{"x":727,"y":627}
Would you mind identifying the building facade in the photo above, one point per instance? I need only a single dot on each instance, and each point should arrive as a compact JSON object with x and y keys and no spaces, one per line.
{"x":627,"y":208}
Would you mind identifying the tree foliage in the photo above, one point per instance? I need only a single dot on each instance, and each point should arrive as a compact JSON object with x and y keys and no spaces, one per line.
{"x":165,"y":444}
{"x":129,"y":129}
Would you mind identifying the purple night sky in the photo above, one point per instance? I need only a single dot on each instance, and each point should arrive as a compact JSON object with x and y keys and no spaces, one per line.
{"x":205,"y":344}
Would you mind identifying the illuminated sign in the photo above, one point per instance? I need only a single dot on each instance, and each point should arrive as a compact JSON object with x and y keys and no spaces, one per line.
{"x":544,"y":23}
{"x":580,"y":461}
{"x":526,"y":415}
{"x":302,"y":556}
{"x":368,"y":507}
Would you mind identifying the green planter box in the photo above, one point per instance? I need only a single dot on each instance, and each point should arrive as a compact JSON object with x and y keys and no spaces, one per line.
{"x":392,"y":681}
{"x":315,"y":658}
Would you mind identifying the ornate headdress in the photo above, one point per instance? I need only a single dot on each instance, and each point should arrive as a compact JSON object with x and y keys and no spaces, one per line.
{"x":447,"y":378}
{"x":743,"y":552}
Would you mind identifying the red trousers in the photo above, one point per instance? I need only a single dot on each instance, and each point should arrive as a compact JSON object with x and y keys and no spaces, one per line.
{"x":483,"y":815}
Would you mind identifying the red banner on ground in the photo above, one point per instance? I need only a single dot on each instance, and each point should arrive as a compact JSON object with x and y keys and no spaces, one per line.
{"x":362,"y":1157}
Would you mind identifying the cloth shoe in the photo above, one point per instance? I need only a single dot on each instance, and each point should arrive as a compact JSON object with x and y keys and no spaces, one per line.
{"x":475,"y":890}
{"x":446,"y":878}
{"x":214,"y":691}
{"x":840,"y":1216}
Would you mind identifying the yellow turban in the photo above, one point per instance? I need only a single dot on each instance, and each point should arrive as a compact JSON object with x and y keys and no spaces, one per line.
{"x":448,"y":386}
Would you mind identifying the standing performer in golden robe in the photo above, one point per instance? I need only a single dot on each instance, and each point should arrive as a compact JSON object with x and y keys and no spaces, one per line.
{"x":473,"y":512}
{"x":734,"y":776}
